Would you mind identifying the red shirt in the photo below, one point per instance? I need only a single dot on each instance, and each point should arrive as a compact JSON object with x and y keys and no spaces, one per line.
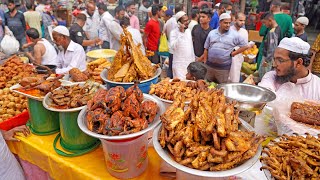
{"x":152,"y":31}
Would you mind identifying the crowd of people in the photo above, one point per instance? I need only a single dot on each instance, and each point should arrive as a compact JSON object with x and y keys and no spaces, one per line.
{"x":211,"y":37}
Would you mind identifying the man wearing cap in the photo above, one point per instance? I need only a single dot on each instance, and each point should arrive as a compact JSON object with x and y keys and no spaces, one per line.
{"x":71,"y":54}
{"x":299,"y":27}
{"x":291,"y":59}
{"x":219,"y":50}
{"x":134,"y":21}
{"x":224,"y":7}
{"x":170,"y":25}
{"x":182,"y":46}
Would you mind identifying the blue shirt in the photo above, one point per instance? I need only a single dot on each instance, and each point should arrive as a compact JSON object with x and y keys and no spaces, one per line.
{"x":214,"y":22}
{"x":220,"y":47}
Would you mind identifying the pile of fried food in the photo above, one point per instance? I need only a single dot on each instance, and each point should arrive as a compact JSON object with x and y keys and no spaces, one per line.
{"x":170,"y":89}
{"x":293,"y":157}
{"x":305,"y":113}
{"x":95,"y":68}
{"x":12,"y":70}
{"x":11,"y":104}
{"x":119,"y":112}
{"x":39,"y":85}
{"x":73,"y":96}
{"x":206,"y":136}
{"x":130,"y":64}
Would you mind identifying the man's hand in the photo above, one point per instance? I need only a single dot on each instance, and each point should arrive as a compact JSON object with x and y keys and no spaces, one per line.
{"x":98,"y":41}
{"x":181,"y":28}
{"x":9,"y":135}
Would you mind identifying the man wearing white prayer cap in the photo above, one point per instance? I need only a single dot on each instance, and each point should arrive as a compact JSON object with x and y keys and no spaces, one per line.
{"x":299,"y":27}
{"x":219,"y":50}
{"x":181,"y":46}
{"x":71,"y":54}
{"x":290,"y":76}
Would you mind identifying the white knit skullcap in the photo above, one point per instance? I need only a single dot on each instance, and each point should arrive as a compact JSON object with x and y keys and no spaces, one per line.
{"x":303,"y":20}
{"x":224,"y":16}
{"x":62,"y":30}
{"x":179,"y":15}
{"x":295,"y":44}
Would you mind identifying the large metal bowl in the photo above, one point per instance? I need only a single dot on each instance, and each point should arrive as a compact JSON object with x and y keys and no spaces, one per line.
{"x":82,"y":122}
{"x":165,"y":155}
{"x":143,"y":85}
{"x":248,"y":97}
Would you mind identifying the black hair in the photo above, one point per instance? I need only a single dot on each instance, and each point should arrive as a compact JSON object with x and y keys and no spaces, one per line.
{"x":156,"y":1}
{"x":194,"y":13}
{"x":130,"y":3}
{"x":305,"y":57}
{"x":197,"y":70}
{"x":154,"y":10}
{"x":11,"y":2}
{"x":82,"y":17}
{"x":178,"y":8}
{"x":102,"y":6}
{"x":225,"y":4}
{"x":29,"y":6}
{"x":118,"y":9}
{"x":207,"y":11}
{"x":33,"y":33}
{"x":276,"y":3}
{"x":267,"y":15}
{"x":125,"y":21}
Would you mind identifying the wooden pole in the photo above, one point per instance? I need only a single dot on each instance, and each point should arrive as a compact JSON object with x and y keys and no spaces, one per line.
{"x":242,"y":5}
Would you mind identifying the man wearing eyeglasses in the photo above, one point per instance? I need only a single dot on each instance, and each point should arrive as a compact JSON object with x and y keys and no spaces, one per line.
{"x":291,"y":59}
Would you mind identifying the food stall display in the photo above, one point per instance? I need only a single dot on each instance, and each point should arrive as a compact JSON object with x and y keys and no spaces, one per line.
{"x":120,"y":112}
{"x":95,"y":68}
{"x":292,"y":157}
{"x":169,"y":89}
{"x":305,"y":113}
{"x":130,"y":64}
{"x":73,"y":96}
{"x":206,"y":136}
{"x":11,"y":104}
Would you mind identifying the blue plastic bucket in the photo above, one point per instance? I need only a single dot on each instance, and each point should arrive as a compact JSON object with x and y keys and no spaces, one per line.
{"x":143,"y":85}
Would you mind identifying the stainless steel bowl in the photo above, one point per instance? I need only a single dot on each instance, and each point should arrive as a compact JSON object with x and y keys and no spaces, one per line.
{"x":248,"y":97}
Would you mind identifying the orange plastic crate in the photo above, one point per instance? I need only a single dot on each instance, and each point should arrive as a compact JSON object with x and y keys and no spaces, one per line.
{"x":18,"y":120}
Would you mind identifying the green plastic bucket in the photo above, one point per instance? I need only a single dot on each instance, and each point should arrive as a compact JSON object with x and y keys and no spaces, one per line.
{"x":72,"y":139}
{"x":42,"y":121}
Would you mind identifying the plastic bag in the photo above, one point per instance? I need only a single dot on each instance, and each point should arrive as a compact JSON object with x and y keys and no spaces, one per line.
{"x":9,"y":44}
{"x":286,"y":95}
{"x":163,"y":46}
{"x":235,"y":69}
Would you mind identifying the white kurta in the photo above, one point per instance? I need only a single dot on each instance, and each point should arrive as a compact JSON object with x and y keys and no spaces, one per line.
{"x":104,"y":24}
{"x":9,"y":166}
{"x":183,"y":54}
{"x":237,"y":60}
{"x":73,"y":57}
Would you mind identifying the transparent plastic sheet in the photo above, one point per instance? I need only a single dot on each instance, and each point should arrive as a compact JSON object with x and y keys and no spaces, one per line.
{"x":265,"y":124}
{"x":281,"y":111}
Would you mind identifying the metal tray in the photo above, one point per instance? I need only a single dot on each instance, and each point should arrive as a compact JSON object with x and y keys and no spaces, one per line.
{"x":47,"y":101}
{"x":83,"y":125}
{"x":164,"y":154}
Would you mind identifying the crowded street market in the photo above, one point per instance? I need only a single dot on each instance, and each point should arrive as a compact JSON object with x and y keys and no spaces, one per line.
{"x":160,"y":89}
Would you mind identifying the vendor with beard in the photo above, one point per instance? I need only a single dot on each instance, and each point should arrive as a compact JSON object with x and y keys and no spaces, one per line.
{"x":71,"y":54}
{"x":291,"y":59}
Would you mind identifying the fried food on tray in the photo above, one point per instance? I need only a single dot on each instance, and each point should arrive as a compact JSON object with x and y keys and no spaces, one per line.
{"x":73,"y":96}
{"x":130,"y":64}
{"x":95,"y":68}
{"x":292,"y":157}
{"x":38,"y":82}
{"x":305,"y":113}
{"x":206,"y":136}
{"x":170,"y":89}
{"x":13,"y":70}
{"x":118,"y":112}
{"x":77,"y":76}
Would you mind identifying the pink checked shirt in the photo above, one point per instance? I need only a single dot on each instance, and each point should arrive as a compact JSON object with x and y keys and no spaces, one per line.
{"x":134,"y":22}
{"x":308,"y":87}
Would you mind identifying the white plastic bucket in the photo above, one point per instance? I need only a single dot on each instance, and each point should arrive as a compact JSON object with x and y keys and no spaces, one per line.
{"x":126,"y":158}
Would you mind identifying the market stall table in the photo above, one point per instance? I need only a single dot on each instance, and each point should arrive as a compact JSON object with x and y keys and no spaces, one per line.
{"x":38,"y":150}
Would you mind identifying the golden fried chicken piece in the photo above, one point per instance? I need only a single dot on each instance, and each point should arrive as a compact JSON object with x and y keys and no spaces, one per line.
{"x":77,"y":76}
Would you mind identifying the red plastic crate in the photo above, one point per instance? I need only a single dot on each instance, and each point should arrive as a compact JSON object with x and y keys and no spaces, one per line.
{"x":18,"y":120}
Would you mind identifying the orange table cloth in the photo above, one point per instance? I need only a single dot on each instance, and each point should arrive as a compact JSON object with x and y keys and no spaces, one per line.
{"x":39,"y":150}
